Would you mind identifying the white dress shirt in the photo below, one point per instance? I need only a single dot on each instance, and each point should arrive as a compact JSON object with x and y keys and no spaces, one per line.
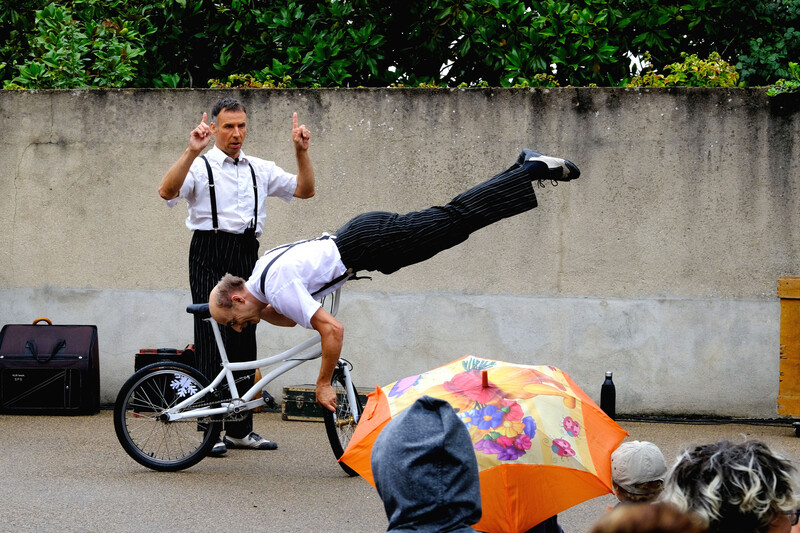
{"x":295,"y":275}
{"x":233,"y":186}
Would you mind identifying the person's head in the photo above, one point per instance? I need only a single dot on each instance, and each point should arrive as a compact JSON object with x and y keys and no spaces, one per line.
{"x":229,"y":125}
{"x":637,"y":471}
{"x":231,"y":304}
{"x":647,"y":518}
{"x":426,"y":471}
{"x":735,"y":488}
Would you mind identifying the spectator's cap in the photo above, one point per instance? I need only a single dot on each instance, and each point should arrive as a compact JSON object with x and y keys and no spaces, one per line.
{"x":634,"y":463}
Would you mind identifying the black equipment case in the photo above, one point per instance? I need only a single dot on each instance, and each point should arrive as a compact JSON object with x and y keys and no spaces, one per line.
{"x":147,"y":356}
{"x":49,"y":370}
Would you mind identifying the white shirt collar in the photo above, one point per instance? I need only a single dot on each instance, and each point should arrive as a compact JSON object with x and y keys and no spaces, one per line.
{"x":219,"y":157}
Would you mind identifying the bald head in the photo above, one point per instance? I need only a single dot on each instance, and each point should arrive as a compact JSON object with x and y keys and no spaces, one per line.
{"x":228,"y":303}
{"x":215,"y":307}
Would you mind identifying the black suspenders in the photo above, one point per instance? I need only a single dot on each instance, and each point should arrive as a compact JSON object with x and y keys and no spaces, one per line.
{"x":286,"y":248}
{"x":255,"y":194}
{"x":213,"y":194}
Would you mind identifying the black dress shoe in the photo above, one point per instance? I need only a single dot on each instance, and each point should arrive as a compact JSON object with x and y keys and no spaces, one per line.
{"x":219,"y":449}
{"x":557,"y":169}
{"x":253,"y":441}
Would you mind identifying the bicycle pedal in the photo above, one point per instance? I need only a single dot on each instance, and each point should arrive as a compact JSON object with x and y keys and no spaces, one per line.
{"x":269,"y":400}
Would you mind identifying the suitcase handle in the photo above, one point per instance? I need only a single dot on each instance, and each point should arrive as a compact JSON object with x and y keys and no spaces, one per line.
{"x":43,"y":319}
{"x":30,"y":347}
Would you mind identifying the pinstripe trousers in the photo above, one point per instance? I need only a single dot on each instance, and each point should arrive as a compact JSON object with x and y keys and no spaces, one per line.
{"x":211,"y":256}
{"x":387,"y":242}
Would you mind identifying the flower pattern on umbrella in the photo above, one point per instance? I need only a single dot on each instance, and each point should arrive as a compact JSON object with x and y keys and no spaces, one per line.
{"x":501,"y":410}
{"x":572,"y":427}
{"x":403,"y":385}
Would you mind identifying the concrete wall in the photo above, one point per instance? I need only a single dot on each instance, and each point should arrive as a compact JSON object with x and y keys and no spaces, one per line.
{"x":660,"y":263}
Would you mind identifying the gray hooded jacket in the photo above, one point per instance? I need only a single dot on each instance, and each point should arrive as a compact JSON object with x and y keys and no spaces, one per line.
{"x":426,"y":472}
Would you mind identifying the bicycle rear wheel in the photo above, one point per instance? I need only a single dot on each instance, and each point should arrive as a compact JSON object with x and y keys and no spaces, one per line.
{"x":341,"y":424}
{"x":145,"y":436}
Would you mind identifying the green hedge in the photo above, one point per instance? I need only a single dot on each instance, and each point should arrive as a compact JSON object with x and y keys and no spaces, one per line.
{"x":379,"y":43}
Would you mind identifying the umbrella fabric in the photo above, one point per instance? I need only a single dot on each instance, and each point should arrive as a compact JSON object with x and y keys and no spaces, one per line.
{"x":541,"y":443}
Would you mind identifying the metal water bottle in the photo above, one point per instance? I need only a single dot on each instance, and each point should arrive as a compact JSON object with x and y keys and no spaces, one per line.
{"x":608,"y":397}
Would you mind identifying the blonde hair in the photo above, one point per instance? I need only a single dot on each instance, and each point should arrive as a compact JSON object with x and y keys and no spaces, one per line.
{"x":650,"y":491}
{"x":733,"y":487}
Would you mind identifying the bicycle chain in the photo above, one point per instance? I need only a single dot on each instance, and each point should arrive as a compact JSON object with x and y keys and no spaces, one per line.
{"x":232,"y":418}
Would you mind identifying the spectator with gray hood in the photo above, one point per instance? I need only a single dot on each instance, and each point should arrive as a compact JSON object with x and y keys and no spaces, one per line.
{"x":638,"y":470}
{"x":426,"y":472}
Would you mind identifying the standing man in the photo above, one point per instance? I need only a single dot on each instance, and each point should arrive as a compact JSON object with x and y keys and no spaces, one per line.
{"x":226,"y":194}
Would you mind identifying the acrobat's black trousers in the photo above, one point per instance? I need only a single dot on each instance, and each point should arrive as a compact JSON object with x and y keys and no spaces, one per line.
{"x":387,"y":242}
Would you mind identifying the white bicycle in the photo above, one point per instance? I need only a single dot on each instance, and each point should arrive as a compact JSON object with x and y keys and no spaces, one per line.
{"x":168,"y":416}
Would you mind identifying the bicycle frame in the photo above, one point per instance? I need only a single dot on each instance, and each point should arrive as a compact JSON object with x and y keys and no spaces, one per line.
{"x":290,"y":358}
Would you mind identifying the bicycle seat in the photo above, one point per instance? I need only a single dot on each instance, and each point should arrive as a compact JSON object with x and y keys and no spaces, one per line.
{"x":199,"y":309}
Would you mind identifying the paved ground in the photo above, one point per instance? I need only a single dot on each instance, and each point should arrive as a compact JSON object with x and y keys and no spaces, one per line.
{"x":70,"y":474}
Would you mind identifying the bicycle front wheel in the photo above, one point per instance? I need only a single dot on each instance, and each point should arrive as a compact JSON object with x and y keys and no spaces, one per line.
{"x":341,"y":424}
{"x":142,"y":431}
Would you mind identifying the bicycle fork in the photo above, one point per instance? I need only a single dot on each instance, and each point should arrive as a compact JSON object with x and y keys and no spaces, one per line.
{"x":350,"y":390}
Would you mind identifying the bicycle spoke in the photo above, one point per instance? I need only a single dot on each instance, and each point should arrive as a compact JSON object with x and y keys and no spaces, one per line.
{"x":146,"y":436}
{"x":340,"y":424}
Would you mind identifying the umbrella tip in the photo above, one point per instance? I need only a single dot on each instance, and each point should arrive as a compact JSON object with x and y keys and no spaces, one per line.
{"x":485,"y":378}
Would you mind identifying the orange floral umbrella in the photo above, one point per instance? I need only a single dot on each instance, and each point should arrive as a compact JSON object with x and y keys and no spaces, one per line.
{"x":542,"y":444}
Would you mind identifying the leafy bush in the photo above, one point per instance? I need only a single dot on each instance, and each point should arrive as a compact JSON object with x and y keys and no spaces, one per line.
{"x":692,"y":72}
{"x":787,"y":85}
{"x":765,"y":55}
{"x":383,"y":43}
{"x":247,"y":81}
{"x":70,"y":53}
{"x":756,"y":36}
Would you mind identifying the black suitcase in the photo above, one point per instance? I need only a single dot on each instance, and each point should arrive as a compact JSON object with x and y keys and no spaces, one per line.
{"x":49,"y":370}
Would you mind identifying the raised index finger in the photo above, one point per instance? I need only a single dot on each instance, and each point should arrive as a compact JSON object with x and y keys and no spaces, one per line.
{"x":294,"y":121}
{"x":205,"y":116}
